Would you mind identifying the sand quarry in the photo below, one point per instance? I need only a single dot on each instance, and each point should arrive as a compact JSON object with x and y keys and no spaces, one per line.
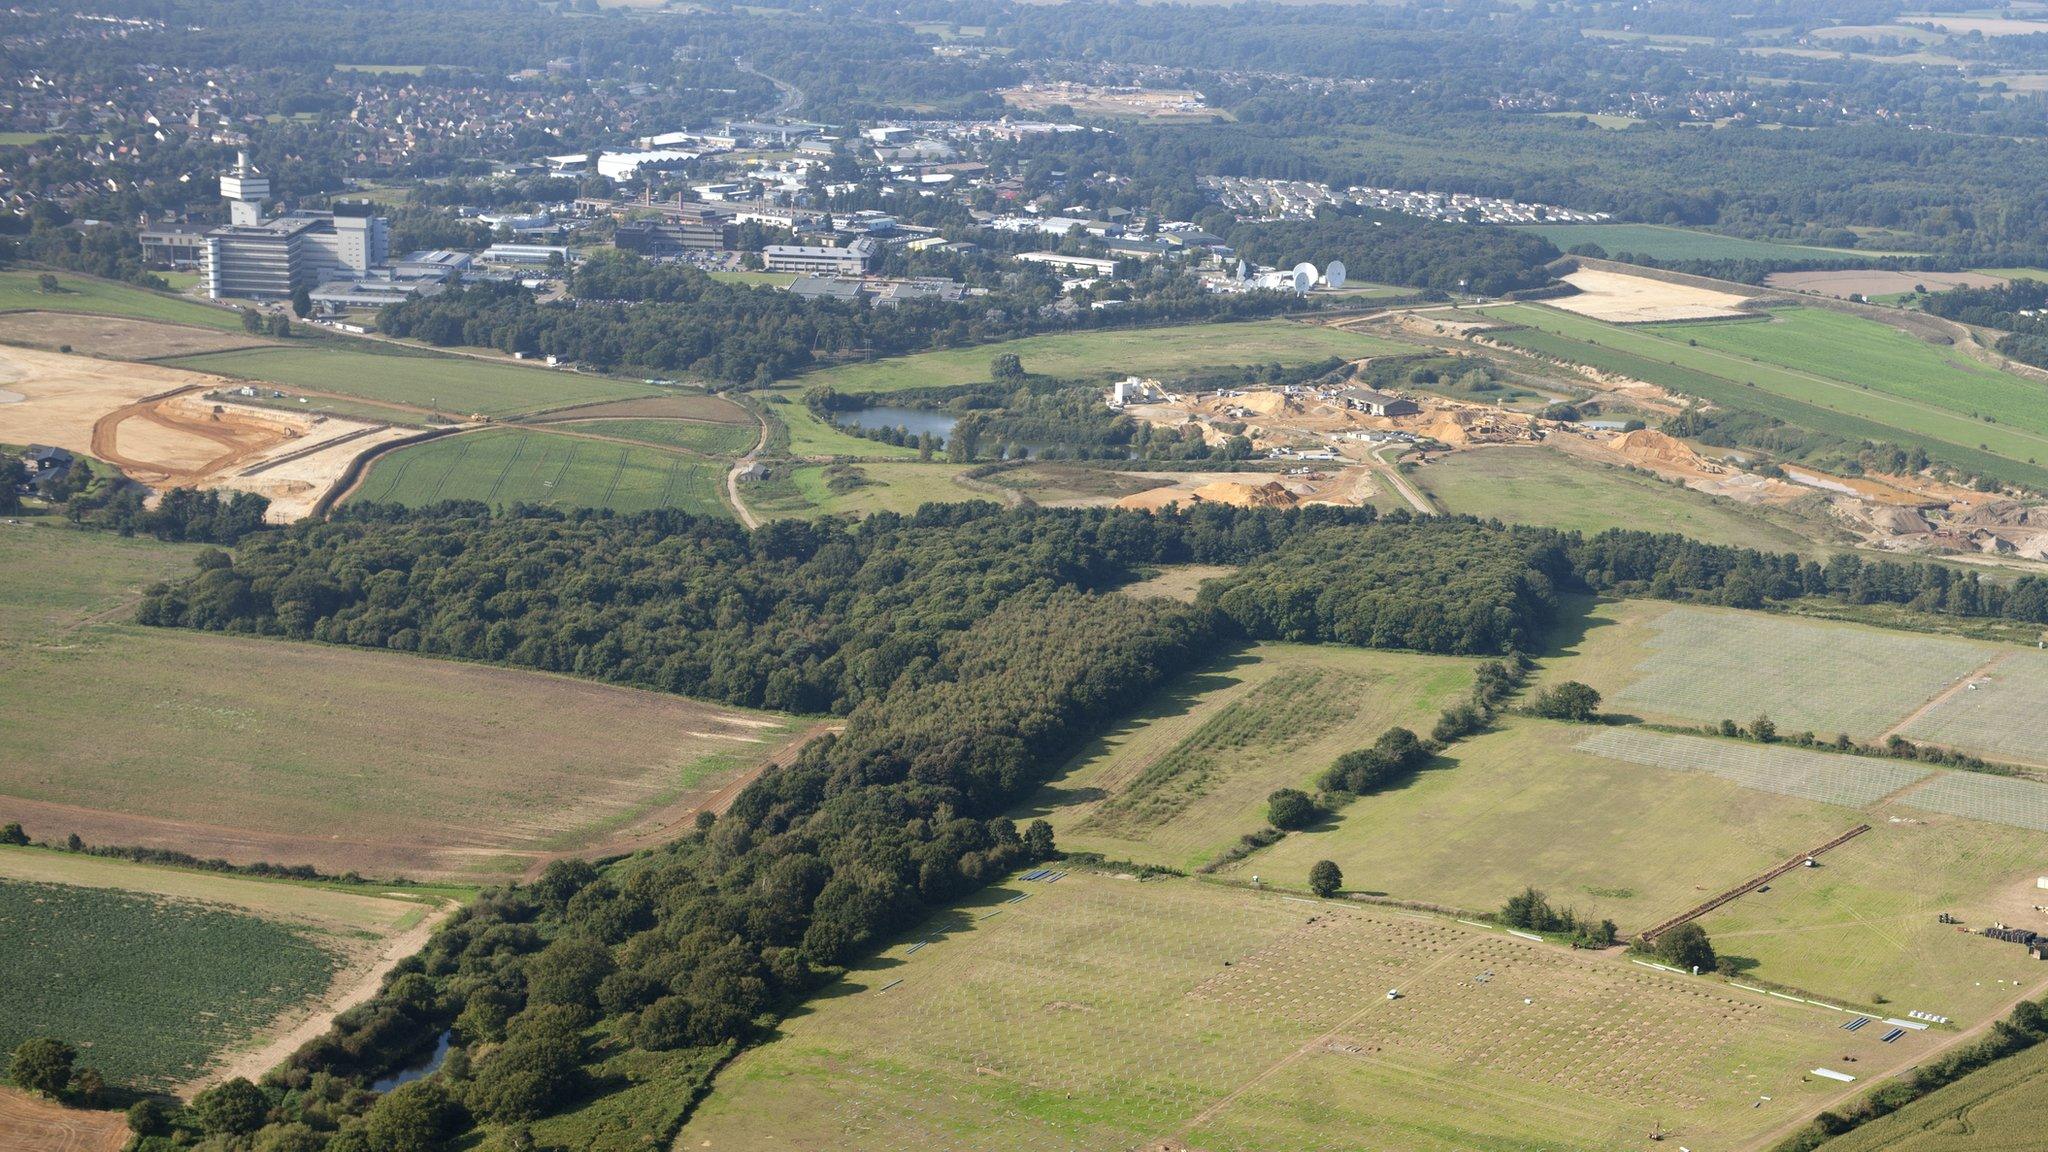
{"x":165,"y":427}
{"x":1619,"y":298}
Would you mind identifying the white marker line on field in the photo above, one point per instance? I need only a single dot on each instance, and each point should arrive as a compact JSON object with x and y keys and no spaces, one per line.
{"x":1477,"y":924}
{"x":1526,"y":935}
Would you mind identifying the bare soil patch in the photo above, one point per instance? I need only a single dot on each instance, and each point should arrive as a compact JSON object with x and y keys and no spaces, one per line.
{"x":1877,"y":282}
{"x":64,"y":397}
{"x":1619,"y":298}
{"x":31,"y":1124}
{"x":713,"y":409}
{"x":115,"y":337}
{"x":1115,"y":102}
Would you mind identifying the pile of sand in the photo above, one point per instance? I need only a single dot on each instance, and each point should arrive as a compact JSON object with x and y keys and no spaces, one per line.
{"x":1653,"y":449}
{"x":1268,"y":495}
{"x":1263,"y":403}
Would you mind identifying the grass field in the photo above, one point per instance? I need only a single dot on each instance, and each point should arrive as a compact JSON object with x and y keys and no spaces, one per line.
{"x":148,"y":988}
{"x":19,"y":290}
{"x":1823,"y":777}
{"x":2003,"y":1108}
{"x":1864,"y":923}
{"x":1524,"y":806}
{"x":456,"y":385}
{"x":1104,"y":1013}
{"x":1697,"y":665}
{"x":811,"y":436}
{"x":1864,"y":353}
{"x":1667,"y":244}
{"x":755,"y":279}
{"x":506,"y":466}
{"x":1049,"y":482}
{"x":1537,"y":486}
{"x":1145,"y":351}
{"x":2005,"y":716}
{"x":339,"y":757}
{"x":1862,"y":409}
{"x":893,"y":486}
{"x":1183,"y":777}
{"x":726,"y":440}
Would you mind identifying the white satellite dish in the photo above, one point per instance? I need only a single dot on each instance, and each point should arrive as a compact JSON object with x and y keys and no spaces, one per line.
{"x":1305,"y":277}
{"x":1333,"y":276}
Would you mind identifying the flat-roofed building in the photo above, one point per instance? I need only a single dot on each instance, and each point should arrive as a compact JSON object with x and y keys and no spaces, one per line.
{"x":851,"y":260}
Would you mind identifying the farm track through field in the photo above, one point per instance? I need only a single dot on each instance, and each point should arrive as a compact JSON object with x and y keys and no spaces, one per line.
{"x":454,"y":466}
{"x":492,"y":496}
{"x":618,"y":470}
{"x":1851,"y":1092}
{"x":732,"y":474}
{"x":352,"y":989}
{"x":1944,"y":696}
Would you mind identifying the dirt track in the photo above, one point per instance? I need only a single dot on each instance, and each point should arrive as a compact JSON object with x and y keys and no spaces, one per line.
{"x":240,"y":437}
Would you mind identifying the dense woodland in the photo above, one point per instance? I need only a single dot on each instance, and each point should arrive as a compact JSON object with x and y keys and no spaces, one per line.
{"x":630,"y":312}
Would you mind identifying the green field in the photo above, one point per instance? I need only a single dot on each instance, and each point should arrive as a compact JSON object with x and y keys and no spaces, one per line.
{"x":148,"y":988}
{"x":1144,"y":351}
{"x":1664,"y":244}
{"x":1178,"y":781}
{"x":2005,"y":716}
{"x":811,"y":436}
{"x":19,"y":292}
{"x":2003,"y":1108}
{"x":1851,"y":404}
{"x":755,"y":279}
{"x":1638,"y":826}
{"x":725,"y":440}
{"x":296,"y":752}
{"x":894,"y":486}
{"x":1538,"y":486}
{"x":506,"y":466}
{"x":456,"y":385}
{"x":1838,"y":347}
{"x":1687,"y":664}
{"x":1098,"y":1012}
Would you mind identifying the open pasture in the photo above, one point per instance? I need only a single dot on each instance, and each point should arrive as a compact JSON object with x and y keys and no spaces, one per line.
{"x":1864,"y":923}
{"x":339,"y":757}
{"x":811,"y":436}
{"x":1689,"y":664}
{"x":2002,"y":714}
{"x":1103,"y":1013}
{"x":456,"y":385}
{"x":885,"y":486}
{"x":1179,"y":780}
{"x":669,"y":405}
{"x":1820,"y":345}
{"x":1669,"y":244}
{"x":1524,"y":806}
{"x":20,"y":290}
{"x":1864,"y":410}
{"x":1144,"y":351}
{"x":1535,"y":485}
{"x":705,"y":439}
{"x":116,"y":337}
{"x":150,"y":989}
{"x":506,"y":466}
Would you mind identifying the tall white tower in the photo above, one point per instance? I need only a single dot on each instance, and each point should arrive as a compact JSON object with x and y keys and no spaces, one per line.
{"x":246,"y":189}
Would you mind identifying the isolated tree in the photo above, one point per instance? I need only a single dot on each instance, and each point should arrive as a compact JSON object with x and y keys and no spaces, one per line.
{"x":41,"y":1064}
{"x":252,"y":322}
{"x":302,"y":302}
{"x":1291,"y":808}
{"x":235,"y":1108}
{"x":280,"y":325}
{"x":1325,"y":878}
{"x":1006,"y":368}
{"x":1570,"y":700}
{"x":13,"y":834}
{"x":47,"y":282}
{"x":1686,"y":946}
{"x":1038,"y":840}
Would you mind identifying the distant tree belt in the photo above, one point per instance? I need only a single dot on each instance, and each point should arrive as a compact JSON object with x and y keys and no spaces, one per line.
{"x":1394,"y":249}
{"x":629,"y":311}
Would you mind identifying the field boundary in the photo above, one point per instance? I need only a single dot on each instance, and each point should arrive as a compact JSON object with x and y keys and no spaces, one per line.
{"x":358,"y":469}
{"x":1752,"y":884}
